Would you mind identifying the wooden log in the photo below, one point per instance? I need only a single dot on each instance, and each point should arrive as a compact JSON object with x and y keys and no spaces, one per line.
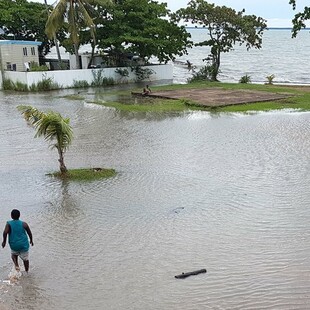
{"x":192,"y":273}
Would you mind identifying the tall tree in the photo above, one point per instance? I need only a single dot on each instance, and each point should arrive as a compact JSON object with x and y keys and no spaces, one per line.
{"x":54,"y":36}
{"x":76,"y":15}
{"x":23,"y":20}
{"x":225,"y":28}
{"x":53,"y":127}
{"x":141,"y":27}
{"x":299,"y":18}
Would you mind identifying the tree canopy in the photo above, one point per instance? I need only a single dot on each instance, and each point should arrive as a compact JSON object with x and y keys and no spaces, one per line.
{"x":23,"y":20}
{"x":299,"y":18}
{"x":225,"y":26}
{"x":141,"y":27}
{"x":75,"y":16}
{"x":53,"y":127}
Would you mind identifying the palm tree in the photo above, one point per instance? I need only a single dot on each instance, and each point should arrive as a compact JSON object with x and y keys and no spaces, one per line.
{"x":76,"y":13}
{"x":53,"y":127}
{"x":54,"y":37}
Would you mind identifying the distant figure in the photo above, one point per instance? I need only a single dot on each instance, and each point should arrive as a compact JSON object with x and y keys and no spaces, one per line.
{"x":26,"y":64}
{"x":146,"y":90}
{"x":18,"y":239}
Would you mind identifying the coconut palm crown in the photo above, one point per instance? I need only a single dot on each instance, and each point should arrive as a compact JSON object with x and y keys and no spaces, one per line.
{"x":53,"y":127}
{"x":77,"y":14}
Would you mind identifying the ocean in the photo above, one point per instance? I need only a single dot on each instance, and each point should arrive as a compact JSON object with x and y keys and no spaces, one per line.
{"x":286,"y":57}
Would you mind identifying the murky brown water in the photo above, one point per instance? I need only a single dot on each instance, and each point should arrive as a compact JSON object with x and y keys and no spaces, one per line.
{"x":228,"y":192}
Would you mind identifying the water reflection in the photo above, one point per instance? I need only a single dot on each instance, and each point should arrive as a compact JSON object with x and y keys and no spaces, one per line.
{"x":224,"y":192}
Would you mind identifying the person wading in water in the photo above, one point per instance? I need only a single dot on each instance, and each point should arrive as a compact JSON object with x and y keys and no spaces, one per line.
{"x":18,"y":239}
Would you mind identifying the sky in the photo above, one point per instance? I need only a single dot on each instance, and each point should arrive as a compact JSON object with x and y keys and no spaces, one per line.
{"x":278,"y":13}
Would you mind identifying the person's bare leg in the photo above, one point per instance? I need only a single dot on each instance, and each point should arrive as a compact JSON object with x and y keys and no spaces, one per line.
{"x":26,"y":264}
{"x":15,"y":261}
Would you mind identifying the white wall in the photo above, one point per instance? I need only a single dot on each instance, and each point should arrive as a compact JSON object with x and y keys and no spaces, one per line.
{"x":66,"y":78}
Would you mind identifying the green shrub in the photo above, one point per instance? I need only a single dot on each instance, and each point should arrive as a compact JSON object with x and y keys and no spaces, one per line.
{"x":270,"y":78}
{"x":108,"y":81}
{"x":142,"y":73}
{"x":33,"y":87}
{"x":100,"y":80}
{"x":36,"y":67}
{"x":122,"y":72}
{"x":80,"y":84}
{"x":47,"y":84}
{"x":204,"y":74}
{"x":19,"y":86}
{"x":8,"y":84}
{"x":245,"y":79}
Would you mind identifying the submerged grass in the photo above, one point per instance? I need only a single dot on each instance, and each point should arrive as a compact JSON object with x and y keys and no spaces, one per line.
{"x":73,"y":97}
{"x":156,"y":105}
{"x":299,"y":100}
{"x":87,"y":174}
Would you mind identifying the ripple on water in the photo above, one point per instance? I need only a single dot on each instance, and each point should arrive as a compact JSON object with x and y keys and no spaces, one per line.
{"x":225,"y":193}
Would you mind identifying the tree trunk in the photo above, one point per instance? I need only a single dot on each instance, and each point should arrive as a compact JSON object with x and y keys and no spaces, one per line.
{"x":216,"y":59}
{"x":77,"y":58}
{"x":92,"y":54}
{"x":57,"y":51}
{"x":62,"y":166}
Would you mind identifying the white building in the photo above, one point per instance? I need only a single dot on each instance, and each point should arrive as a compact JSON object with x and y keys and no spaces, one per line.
{"x":17,"y":55}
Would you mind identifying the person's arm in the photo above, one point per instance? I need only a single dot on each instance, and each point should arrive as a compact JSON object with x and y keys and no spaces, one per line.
{"x":5,"y":234}
{"x":27,"y":228}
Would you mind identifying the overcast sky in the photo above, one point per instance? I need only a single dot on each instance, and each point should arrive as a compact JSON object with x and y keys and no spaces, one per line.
{"x":277,"y":12}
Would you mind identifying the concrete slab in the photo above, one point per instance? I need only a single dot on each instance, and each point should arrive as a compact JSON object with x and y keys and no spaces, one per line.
{"x":218,"y":97}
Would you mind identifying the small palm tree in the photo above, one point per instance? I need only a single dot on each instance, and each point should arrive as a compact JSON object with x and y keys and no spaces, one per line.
{"x":77,"y":15}
{"x":53,"y":127}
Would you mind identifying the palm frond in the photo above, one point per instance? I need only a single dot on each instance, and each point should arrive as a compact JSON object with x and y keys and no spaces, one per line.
{"x":31,"y":114}
{"x":54,"y":127}
{"x":56,"y":18}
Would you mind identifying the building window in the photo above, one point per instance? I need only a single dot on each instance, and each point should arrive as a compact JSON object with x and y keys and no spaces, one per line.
{"x":33,"y":51}
{"x":14,"y":67}
{"x":8,"y":66}
{"x":25,"y":51}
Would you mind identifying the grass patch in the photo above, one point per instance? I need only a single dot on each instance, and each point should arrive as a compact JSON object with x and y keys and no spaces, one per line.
{"x":152,"y":105}
{"x":88,"y":174}
{"x":300,"y":99}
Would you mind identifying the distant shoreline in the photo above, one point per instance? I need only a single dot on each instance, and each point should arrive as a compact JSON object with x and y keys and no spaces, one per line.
{"x":268,"y":28}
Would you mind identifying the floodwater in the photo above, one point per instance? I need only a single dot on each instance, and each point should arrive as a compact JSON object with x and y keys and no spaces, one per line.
{"x":281,"y":55}
{"x":225,"y":192}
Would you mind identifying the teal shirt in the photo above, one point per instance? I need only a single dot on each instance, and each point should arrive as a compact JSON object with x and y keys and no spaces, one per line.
{"x":18,"y":238}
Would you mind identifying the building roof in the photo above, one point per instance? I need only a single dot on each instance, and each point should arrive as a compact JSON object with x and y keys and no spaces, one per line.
{"x":19,"y":42}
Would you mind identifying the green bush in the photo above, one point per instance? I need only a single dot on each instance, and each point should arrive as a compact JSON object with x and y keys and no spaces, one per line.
{"x":142,"y":73}
{"x":122,"y":72}
{"x":33,"y":87}
{"x":246,"y":79}
{"x":8,"y":84}
{"x":47,"y":84}
{"x":36,"y":67}
{"x":270,"y":78}
{"x":100,"y":80}
{"x":204,"y":74}
{"x":19,"y":86}
{"x":80,"y":84}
